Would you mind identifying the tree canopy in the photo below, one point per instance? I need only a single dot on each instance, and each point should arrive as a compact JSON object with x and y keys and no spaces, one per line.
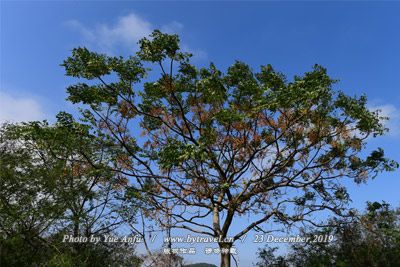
{"x":202,"y":147}
{"x":55,"y":181}
{"x":369,"y":239}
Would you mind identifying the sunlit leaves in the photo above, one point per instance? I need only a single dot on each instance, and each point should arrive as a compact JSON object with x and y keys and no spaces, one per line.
{"x":91,"y":94}
{"x":175,"y":153}
{"x":243,"y":135}
{"x":86,"y":64}
{"x":159,"y":47}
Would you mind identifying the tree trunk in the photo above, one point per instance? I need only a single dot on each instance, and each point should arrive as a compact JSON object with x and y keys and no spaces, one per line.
{"x":226,"y":260}
{"x":225,"y":257}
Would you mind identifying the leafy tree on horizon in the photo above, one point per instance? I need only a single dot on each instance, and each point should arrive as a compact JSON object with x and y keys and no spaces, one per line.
{"x":54,"y":181}
{"x":202,"y":147}
{"x":369,"y":239}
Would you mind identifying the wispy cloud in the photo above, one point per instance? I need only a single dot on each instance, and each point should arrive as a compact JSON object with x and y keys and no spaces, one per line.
{"x":393,"y":113}
{"x":172,"y":27}
{"x":125,"y":32}
{"x":18,"y":109}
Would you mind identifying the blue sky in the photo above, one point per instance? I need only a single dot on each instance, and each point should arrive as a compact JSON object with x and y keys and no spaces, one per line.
{"x":358,"y":42}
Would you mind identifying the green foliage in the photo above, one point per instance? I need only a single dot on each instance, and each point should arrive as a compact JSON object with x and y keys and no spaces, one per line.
{"x":55,"y":180}
{"x":373,"y":239}
{"x":227,"y":144}
{"x":160,"y":47}
{"x":266,"y":257}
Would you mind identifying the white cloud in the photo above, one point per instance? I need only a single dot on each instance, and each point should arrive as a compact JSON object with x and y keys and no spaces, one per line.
{"x":198,"y":54}
{"x":393,"y":113}
{"x":173,"y":27}
{"x":125,"y":33}
{"x":18,"y":109}
{"x":86,"y":33}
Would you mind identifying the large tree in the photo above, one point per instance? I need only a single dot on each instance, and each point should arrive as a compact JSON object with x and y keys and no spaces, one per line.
{"x":54,"y":181}
{"x":203,"y":147}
